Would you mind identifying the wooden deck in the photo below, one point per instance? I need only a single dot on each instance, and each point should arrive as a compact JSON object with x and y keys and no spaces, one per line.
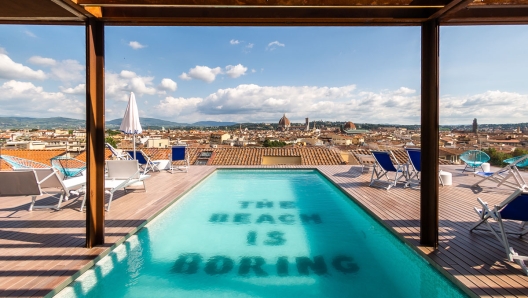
{"x":44,"y":249}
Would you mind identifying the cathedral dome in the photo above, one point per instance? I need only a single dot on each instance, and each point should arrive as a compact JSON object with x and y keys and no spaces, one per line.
{"x":349,"y":126}
{"x":284,"y":122}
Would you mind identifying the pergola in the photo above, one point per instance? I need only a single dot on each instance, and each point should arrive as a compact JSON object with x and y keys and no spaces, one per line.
{"x":429,"y":14}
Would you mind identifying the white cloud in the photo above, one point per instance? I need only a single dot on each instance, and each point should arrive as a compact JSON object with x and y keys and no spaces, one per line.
{"x":208,"y":74}
{"x":236,"y":71}
{"x":141,"y":85}
{"x":174,"y":106}
{"x":254,"y":99}
{"x":203,"y":73}
{"x":119,"y":86}
{"x":168,"y":84}
{"x":3,"y":51}
{"x":273,"y":45}
{"x":42,"y":61}
{"x":79,"y":89}
{"x":253,"y":70}
{"x":234,"y":41}
{"x":248,"y":48}
{"x":29,"y":33}
{"x":488,"y":107}
{"x":68,"y":71}
{"x":16,"y":96}
{"x":185,"y":77}
{"x":136,"y":45}
{"x":12,"y":70}
{"x":127,"y":74}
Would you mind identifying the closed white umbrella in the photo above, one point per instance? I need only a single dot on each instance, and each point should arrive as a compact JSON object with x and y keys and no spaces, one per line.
{"x":130,"y":123}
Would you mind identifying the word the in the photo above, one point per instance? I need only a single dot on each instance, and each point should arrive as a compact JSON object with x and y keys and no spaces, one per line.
{"x":267,"y":204}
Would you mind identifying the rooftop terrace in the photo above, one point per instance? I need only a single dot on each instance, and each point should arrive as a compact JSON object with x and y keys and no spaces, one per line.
{"x":43,"y":250}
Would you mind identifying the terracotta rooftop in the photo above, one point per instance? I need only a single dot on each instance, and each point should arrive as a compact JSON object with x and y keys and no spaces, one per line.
{"x":253,"y":155}
{"x":247,"y":156}
{"x":82,"y":156}
{"x":42,"y":156}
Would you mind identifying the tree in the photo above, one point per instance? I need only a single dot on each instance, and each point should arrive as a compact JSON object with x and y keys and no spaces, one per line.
{"x":519,"y":152}
{"x":111,"y":141}
{"x":112,"y":132}
{"x":496,"y":157}
{"x":268,"y":143}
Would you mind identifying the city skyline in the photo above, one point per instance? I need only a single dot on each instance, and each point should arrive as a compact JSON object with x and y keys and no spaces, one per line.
{"x":248,"y":74}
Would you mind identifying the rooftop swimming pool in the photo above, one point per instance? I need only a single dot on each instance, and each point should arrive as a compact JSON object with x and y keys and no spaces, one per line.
{"x":263,"y":233}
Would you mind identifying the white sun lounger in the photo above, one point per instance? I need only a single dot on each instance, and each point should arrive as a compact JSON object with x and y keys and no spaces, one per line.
{"x":504,"y":175}
{"x":121,"y":174}
{"x":50,"y":181}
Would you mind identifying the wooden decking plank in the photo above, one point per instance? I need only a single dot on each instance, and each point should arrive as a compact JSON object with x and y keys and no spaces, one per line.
{"x":396,"y":193}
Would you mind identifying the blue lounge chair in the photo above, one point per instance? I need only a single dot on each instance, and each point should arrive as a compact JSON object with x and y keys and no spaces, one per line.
{"x":474,"y":159}
{"x":515,"y":207}
{"x":144,"y":161}
{"x":180,"y":156}
{"x":502,"y":176}
{"x":383,"y":166}
{"x":414,"y":166}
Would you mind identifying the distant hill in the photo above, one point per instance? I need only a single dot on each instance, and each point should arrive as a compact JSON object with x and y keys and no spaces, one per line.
{"x":43,"y":123}
{"x":69,"y":123}
{"x":148,"y":122}
{"x":213,"y":123}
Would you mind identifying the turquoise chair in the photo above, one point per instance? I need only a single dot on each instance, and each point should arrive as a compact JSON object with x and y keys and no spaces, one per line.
{"x":69,"y":167}
{"x":519,"y":161}
{"x":474,"y":159}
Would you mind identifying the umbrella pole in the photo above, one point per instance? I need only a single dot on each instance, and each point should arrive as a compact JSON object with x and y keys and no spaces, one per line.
{"x":134,"y":146}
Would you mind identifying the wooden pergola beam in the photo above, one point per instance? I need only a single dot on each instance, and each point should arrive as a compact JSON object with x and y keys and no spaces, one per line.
{"x":223,"y":3}
{"x":430,"y":104}
{"x":73,"y":8}
{"x":41,"y":12}
{"x":450,"y":8}
{"x":495,"y":15}
{"x":95,"y":133}
{"x":262,"y":16}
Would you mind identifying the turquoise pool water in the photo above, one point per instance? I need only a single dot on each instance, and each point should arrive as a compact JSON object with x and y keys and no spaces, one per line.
{"x":263,"y":233}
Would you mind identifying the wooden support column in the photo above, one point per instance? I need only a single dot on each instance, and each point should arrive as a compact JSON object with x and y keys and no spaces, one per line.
{"x":430,"y":133}
{"x":95,"y":132}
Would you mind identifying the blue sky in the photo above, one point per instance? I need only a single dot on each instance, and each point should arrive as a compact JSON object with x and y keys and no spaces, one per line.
{"x":255,"y":74}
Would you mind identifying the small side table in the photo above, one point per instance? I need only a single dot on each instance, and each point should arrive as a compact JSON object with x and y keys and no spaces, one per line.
{"x":447,"y":178}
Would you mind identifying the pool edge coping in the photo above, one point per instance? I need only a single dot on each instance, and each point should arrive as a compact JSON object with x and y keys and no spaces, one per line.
{"x":108,"y":250}
{"x":111,"y":248}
